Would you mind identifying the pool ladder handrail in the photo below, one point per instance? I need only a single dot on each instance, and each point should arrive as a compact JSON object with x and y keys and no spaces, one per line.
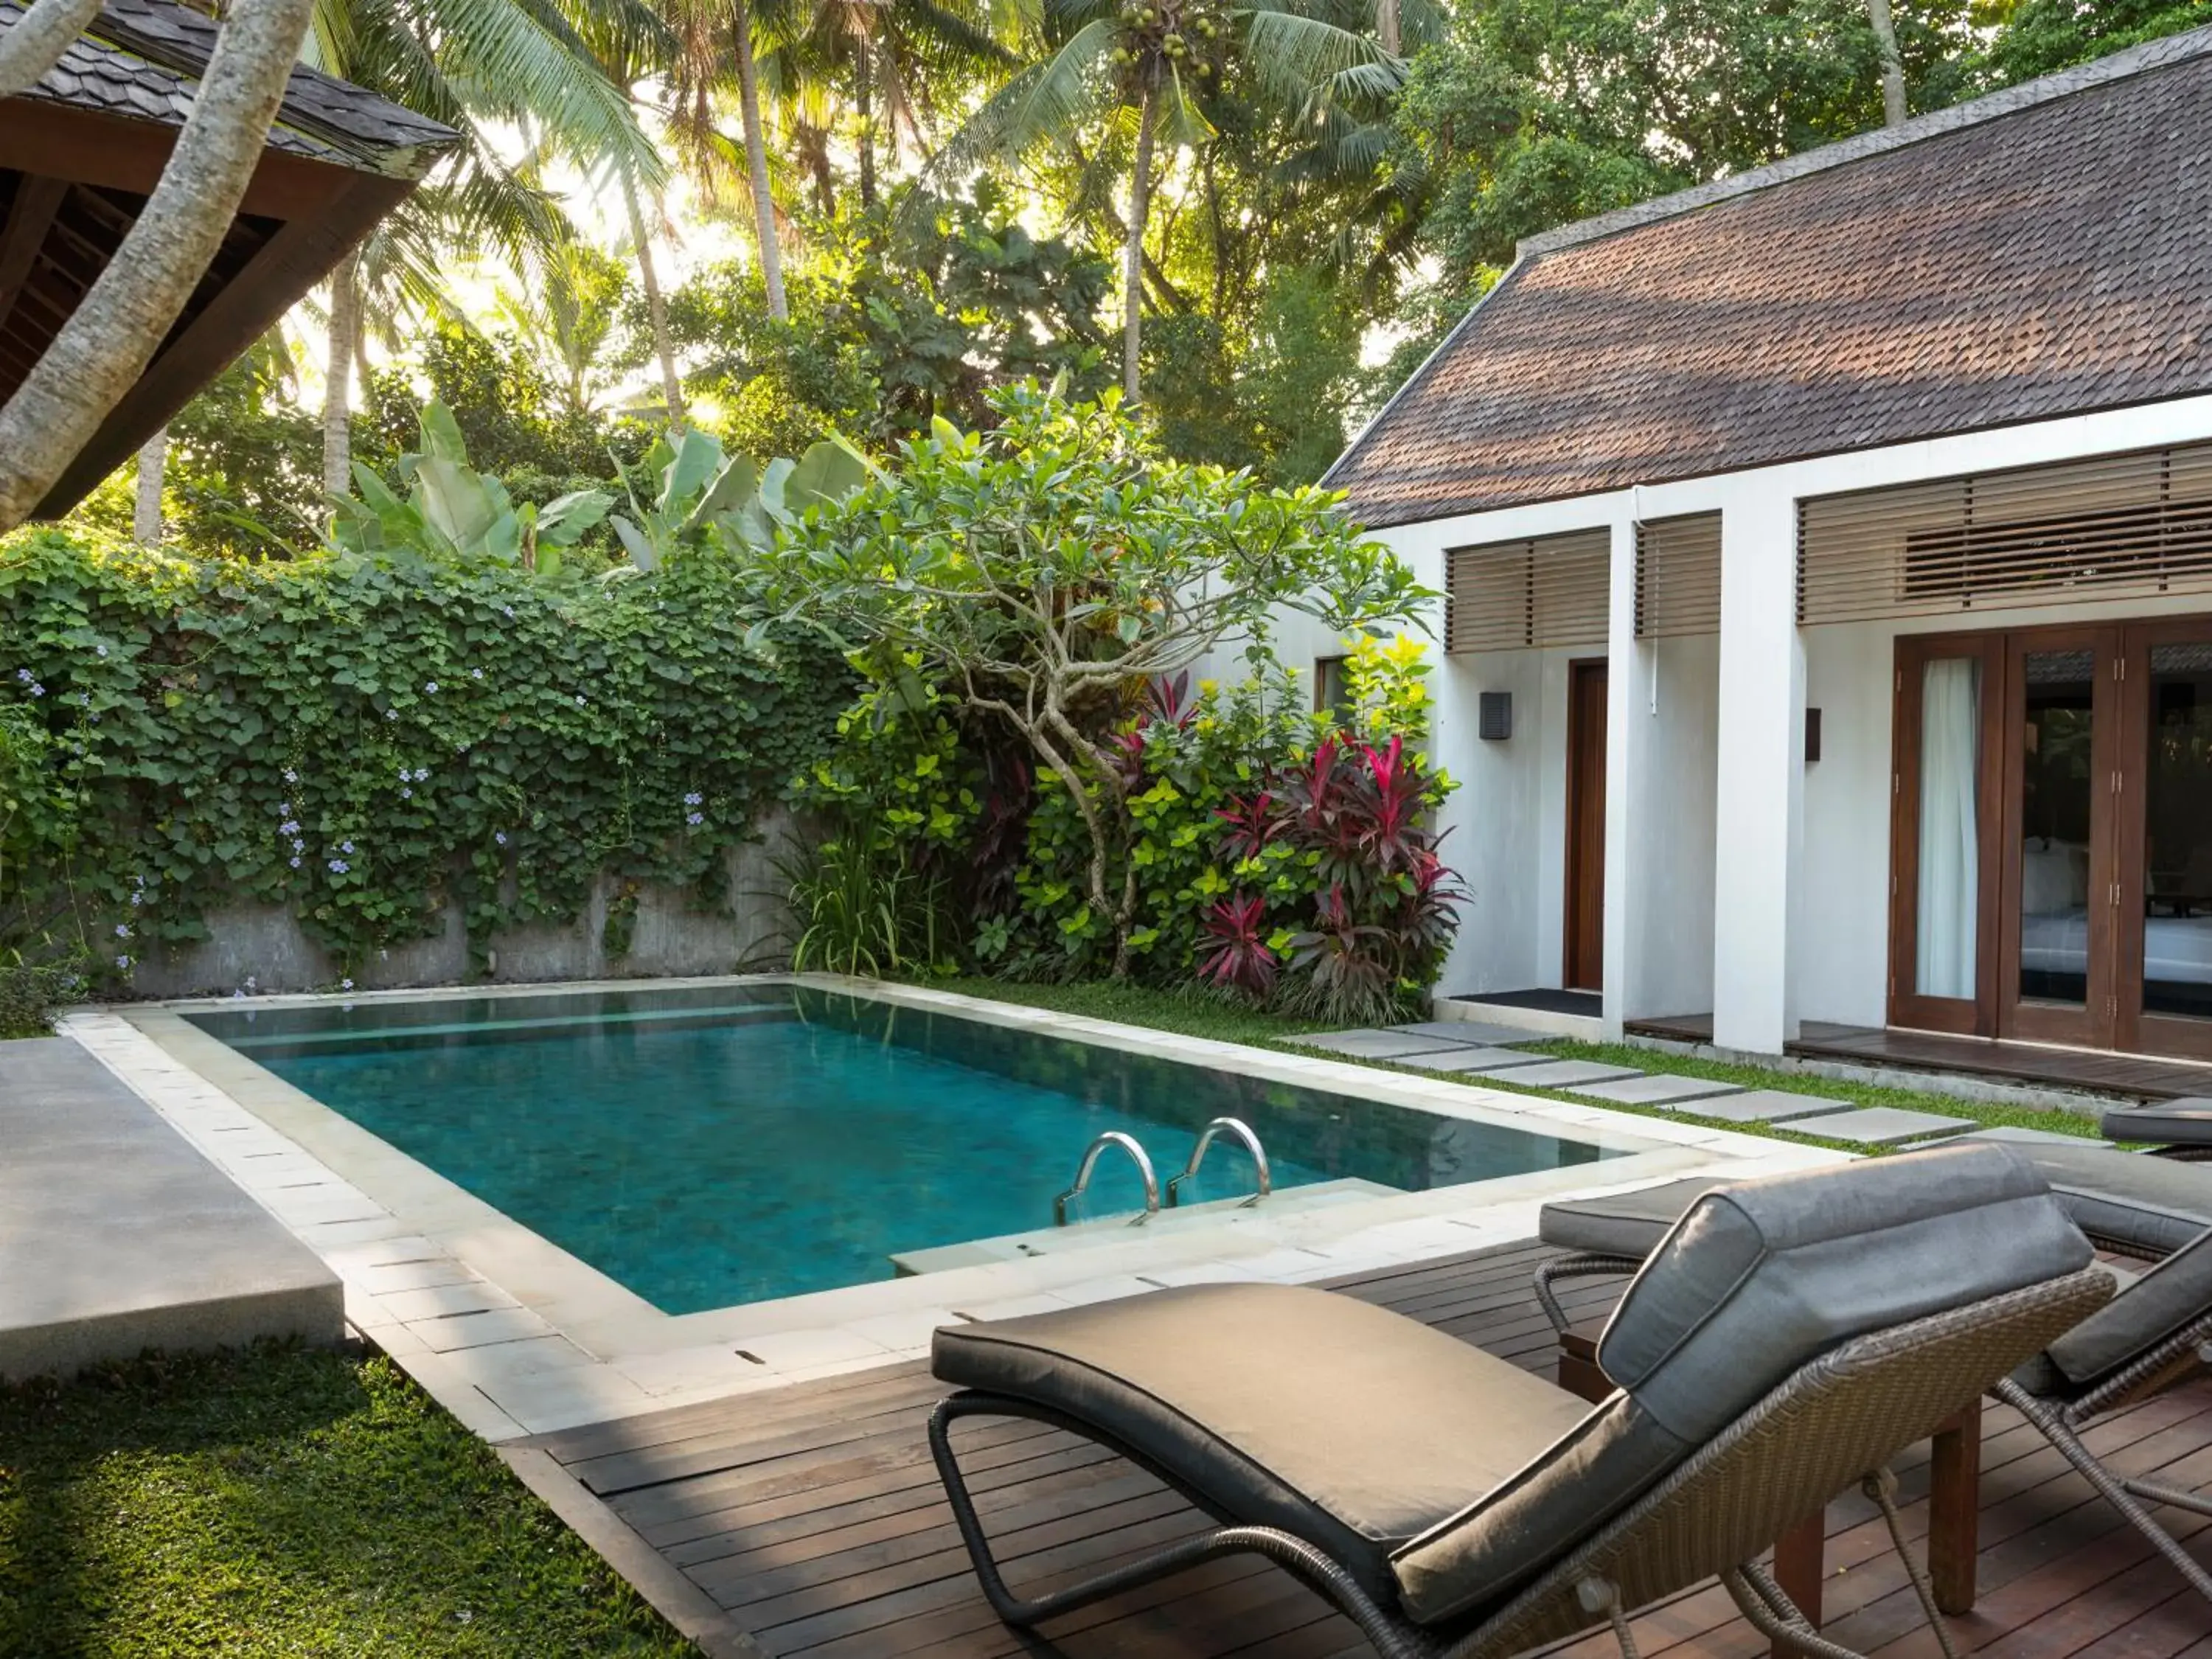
{"x":1091,"y":1156}
{"x":1237,"y":1129}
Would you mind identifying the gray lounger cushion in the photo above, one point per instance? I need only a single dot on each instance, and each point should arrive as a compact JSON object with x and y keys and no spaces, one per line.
{"x":2169,"y":1123}
{"x":1628,"y":1224}
{"x":2148,"y":1309}
{"x":1355,"y":1428}
{"x":1759,"y":1279}
{"x":2154,"y":1205}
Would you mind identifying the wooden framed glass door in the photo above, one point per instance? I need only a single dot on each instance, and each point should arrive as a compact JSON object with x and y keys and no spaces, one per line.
{"x":2059,"y":904}
{"x":2163,"y":935}
{"x":1944,"y":885}
{"x":2051,"y":837}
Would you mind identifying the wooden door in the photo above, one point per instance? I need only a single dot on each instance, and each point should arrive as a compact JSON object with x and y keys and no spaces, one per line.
{"x":2162,"y":938}
{"x":2057,"y":956}
{"x":1944,"y":880}
{"x":1584,"y":955}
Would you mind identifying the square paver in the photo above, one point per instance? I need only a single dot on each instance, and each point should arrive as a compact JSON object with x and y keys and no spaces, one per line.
{"x":1761,"y":1106}
{"x":1880,"y":1126}
{"x":2020,"y":1134}
{"x":1472,"y":1060}
{"x":1470,"y":1031}
{"x":1659,"y":1089}
{"x":1380,"y":1044}
{"x":1568,"y":1074}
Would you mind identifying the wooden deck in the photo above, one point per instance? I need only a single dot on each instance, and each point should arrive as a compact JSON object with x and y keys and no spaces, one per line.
{"x":812,"y":1519}
{"x":2137,"y":1077}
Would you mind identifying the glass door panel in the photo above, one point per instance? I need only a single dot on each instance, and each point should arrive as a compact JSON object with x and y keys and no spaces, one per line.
{"x":1947,"y":934}
{"x":2175,"y":950}
{"x":2058,"y":731}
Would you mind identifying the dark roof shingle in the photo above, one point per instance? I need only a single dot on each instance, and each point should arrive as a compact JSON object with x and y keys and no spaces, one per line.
{"x":2045,"y":252}
{"x":141,"y":59}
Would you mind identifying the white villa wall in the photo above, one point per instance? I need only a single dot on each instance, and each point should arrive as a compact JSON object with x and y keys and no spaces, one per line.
{"x":1672,"y":777}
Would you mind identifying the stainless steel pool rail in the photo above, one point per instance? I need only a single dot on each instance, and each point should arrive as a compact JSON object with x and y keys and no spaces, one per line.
{"x":1091,"y":1156}
{"x":1237,"y":1129}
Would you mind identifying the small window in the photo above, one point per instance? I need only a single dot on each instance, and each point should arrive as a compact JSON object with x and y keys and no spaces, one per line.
{"x":1332,"y":690}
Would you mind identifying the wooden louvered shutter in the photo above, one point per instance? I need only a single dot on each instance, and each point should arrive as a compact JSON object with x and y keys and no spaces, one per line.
{"x":2113,"y":527}
{"x":1547,"y":590}
{"x":1678,"y":577}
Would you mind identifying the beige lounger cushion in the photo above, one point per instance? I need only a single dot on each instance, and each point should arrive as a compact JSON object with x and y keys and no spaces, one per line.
{"x":1352,"y":1427}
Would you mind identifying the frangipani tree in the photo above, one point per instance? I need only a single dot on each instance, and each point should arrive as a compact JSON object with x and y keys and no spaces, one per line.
{"x":1036,"y":571}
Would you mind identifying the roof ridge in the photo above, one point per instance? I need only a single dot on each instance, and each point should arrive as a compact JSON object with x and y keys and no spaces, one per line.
{"x":2147,"y":57}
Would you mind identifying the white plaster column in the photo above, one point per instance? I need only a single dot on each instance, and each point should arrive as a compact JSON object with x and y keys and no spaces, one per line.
{"x":1623,"y":732}
{"x":1759,"y":814}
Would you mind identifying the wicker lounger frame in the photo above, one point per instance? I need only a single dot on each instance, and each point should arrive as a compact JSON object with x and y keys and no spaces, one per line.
{"x":1830,"y":1424}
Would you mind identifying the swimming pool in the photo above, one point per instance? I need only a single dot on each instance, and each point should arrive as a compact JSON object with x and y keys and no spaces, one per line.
{"x":706,"y":1146}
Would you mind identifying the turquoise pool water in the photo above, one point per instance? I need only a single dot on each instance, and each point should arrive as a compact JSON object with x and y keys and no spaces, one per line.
{"x":709,"y":1147}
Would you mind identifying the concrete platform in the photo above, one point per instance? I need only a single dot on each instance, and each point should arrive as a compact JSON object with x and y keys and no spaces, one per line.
{"x":117,"y":1236}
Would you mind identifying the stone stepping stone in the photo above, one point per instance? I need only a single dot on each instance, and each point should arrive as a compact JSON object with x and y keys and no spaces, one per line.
{"x":1470,"y":1031}
{"x":2020,"y":1135}
{"x":1472,"y":1059}
{"x":1568,"y":1074}
{"x":1882,"y":1125}
{"x":1381,"y":1045}
{"x":1761,"y":1106}
{"x":1659,"y":1089}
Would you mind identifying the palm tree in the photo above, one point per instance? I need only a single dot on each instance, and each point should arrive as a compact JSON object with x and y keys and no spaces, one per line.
{"x":899,"y":55}
{"x":1144,"y":73}
{"x":110,"y":337}
{"x":716,"y":55}
{"x":474,"y":65}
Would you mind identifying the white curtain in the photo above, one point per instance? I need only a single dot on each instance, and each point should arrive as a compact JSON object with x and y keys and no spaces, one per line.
{"x":1950,"y":839}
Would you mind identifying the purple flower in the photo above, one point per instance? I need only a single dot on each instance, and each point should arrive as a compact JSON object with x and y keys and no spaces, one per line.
{"x":295,"y":861}
{"x":123,"y":962}
{"x":579,"y":700}
{"x":100,"y":649}
{"x":345,"y":985}
{"x":476,"y":673}
{"x":23,"y":674}
{"x":122,"y":930}
{"x":499,"y":836}
{"x":137,"y":898}
{"x":694,"y":817}
{"x":430,"y":687}
{"x":391,"y":714}
{"x":289,"y":827}
{"x":299,"y":846}
{"x":407,"y":794}
{"x":339,"y":866}
{"x":290,"y":776}
{"x":38,"y":690}
{"x":694,"y":799}
{"x":345,"y":847}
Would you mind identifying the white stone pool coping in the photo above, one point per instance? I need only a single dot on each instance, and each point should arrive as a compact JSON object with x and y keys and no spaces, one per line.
{"x":516,"y":1336}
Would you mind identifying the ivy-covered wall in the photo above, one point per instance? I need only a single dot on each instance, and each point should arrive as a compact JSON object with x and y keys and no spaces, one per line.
{"x":349,"y":764}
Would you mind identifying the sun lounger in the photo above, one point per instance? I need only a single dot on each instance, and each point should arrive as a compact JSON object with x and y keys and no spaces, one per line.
{"x":1786,"y":1340}
{"x":2154,"y":1333}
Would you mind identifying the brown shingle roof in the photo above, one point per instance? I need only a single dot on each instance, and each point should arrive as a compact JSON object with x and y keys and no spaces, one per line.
{"x":2044,"y":252}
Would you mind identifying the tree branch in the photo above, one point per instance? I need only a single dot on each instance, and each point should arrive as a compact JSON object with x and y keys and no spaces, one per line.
{"x":38,"y":39}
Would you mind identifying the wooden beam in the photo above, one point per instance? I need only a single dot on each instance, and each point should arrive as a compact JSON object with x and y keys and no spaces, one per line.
{"x":29,"y":216}
{"x":290,"y":263}
{"x":110,"y":152}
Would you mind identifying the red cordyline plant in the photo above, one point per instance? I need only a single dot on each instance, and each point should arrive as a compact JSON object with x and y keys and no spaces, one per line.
{"x":1235,"y":955}
{"x":1388,"y":906}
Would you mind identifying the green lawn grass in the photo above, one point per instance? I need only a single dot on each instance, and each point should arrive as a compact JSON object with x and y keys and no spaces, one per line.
{"x":1197,"y":1015}
{"x":284,"y":1501}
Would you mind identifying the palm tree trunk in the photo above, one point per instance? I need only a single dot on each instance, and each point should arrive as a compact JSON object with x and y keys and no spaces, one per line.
{"x":38,"y":40}
{"x":771,"y":257}
{"x":146,"y":526}
{"x":656,"y":308}
{"x":1132,"y":264}
{"x":110,"y":337}
{"x":337,"y":378}
{"x":1389,"y":33}
{"x":1893,"y":110}
{"x":863,"y":106}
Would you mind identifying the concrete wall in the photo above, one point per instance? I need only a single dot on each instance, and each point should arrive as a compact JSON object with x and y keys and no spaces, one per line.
{"x":671,"y":935}
{"x":1673,"y":693}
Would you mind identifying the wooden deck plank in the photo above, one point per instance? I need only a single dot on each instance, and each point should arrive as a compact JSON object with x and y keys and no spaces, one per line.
{"x":812,"y":1516}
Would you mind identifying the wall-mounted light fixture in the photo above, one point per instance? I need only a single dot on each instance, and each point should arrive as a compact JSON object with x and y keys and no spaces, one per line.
{"x":1495,"y":722}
